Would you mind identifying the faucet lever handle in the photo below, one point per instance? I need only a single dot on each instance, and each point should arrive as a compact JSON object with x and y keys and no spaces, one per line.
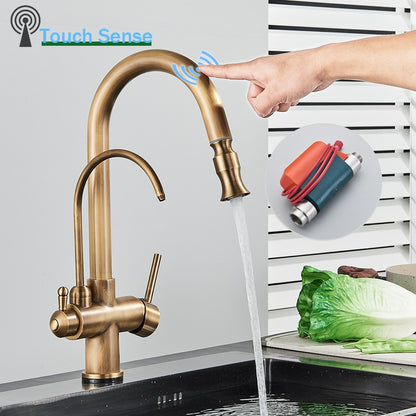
{"x":152,"y":278}
{"x":62,"y":298}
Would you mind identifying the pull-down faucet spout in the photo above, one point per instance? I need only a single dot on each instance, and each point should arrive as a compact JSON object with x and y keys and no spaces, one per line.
{"x":225,"y":159}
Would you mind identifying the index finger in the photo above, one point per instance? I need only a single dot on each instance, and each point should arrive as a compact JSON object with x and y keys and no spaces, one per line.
{"x":228,"y":71}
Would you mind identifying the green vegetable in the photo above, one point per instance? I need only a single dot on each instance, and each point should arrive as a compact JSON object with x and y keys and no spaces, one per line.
{"x":311,"y":279}
{"x":377,"y":346}
{"x":340,"y":308}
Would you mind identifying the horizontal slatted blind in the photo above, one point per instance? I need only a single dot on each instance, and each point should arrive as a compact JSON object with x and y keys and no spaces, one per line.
{"x":380,"y":114}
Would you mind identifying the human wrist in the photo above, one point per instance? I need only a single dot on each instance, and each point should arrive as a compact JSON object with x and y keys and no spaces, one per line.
{"x":328,"y":70}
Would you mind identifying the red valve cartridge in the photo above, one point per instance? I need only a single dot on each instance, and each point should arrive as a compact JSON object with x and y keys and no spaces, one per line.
{"x":315,"y":177}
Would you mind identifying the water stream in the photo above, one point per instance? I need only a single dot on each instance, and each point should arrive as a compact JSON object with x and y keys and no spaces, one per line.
{"x":242,"y":231}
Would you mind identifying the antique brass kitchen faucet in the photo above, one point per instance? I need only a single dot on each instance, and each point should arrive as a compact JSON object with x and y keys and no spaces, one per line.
{"x":94,"y":313}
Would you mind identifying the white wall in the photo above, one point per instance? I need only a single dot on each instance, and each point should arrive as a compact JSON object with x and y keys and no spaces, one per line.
{"x":45,"y":97}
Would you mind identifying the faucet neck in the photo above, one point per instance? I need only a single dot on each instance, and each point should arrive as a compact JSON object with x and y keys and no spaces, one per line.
{"x":204,"y":91}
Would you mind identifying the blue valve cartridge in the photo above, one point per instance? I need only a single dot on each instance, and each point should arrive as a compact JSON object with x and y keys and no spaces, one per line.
{"x":336,"y":177}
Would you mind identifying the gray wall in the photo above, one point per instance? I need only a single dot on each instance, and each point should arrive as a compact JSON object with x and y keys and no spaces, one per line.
{"x":45,"y":97}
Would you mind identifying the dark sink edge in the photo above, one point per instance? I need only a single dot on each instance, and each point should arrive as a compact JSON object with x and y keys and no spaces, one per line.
{"x":238,"y":347}
{"x":238,"y":355}
{"x":143,"y":394}
{"x":154,"y":393}
{"x":342,"y":379}
{"x":411,"y":411}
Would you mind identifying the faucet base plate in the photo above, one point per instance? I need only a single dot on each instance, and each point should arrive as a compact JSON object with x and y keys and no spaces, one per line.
{"x":97,"y":378}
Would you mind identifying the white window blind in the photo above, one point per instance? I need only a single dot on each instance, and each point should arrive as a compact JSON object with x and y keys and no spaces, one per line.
{"x":380,"y":114}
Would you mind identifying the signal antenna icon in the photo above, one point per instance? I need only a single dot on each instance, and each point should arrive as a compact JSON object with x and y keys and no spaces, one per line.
{"x":25,"y":20}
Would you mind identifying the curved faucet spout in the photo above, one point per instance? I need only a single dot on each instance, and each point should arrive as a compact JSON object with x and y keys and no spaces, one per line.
{"x":139,"y":63}
{"x":226,"y":161}
{"x":78,"y":294}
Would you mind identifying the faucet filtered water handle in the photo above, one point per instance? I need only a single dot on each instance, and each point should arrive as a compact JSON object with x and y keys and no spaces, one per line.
{"x":64,"y":321}
{"x":62,"y":298}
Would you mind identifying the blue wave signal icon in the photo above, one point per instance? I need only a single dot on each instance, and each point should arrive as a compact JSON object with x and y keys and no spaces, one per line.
{"x":207,"y":59}
{"x":189,"y":75}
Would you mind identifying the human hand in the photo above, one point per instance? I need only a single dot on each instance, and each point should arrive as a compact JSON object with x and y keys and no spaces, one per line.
{"x":277,"y":82}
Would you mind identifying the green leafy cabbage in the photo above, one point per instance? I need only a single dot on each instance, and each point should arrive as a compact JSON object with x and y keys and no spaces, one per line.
{"x":340,"y":308}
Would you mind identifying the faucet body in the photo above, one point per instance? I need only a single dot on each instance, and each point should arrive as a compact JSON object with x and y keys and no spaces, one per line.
{"x":102,"y":356}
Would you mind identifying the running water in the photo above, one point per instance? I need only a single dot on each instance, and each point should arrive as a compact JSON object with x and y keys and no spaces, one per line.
{"x":242,"y":231}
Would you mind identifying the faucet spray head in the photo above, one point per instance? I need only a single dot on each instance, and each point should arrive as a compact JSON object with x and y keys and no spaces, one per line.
{"x":227,"y":167}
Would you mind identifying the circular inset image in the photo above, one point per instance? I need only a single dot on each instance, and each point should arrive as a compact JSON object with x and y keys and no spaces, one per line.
{"x":323,"y":181}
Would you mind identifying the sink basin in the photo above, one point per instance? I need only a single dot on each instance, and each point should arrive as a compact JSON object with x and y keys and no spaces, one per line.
{"x":222,"y":381}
